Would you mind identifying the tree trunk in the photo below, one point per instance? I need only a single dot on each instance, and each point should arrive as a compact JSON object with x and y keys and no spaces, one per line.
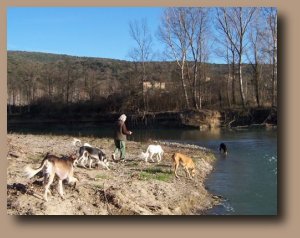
{"x":274,"y":79}
{"x":233,"y":84}
{"x":241,"y":83}
{"x":195,"y":86}
{"x":144,"y":91}
{"x":184,"y":88}
{"x":256,"y":83}
{"x":227,"y":89}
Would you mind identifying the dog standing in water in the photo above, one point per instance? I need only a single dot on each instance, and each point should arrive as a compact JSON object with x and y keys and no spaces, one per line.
{"x":223,"y":148}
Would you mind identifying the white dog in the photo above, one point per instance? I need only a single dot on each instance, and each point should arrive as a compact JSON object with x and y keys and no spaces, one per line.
{"x":151,"y":151}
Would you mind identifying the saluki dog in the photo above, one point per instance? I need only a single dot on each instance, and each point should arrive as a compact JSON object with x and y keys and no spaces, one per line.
{"x":51,"y":166}
{"x":186,"y":162}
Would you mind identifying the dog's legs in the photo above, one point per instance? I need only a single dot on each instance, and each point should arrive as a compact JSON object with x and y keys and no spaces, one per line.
{"x":151,"y":155}
{"x":50,"y":181}
{"x":79,"y":161}
{"x":175,"y":169}
{"x":161,"y":155}
{"x":60,"y":189}
{"x":188,"y":173}
{"x":72,"y":179}
{"x":46,"y":176}
{"x":83,"y":160}
{"x":105,"y":165}
{"x":90,"y":163}
{"x":158,"y":157}
{"x":86,"y":159}
{"x":75,"y":163}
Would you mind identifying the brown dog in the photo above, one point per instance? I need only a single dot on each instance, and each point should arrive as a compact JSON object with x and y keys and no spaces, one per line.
{"x":51,"y":165}
{"x":185,"y":161}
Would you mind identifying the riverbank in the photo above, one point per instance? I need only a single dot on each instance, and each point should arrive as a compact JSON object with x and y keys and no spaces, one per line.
{"x":200,"y":119}
{"x":131,"y":188}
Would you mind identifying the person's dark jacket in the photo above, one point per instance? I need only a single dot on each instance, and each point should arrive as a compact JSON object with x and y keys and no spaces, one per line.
{"x":120,"y":131}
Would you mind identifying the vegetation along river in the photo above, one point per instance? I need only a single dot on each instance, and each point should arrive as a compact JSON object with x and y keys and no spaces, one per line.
{"x":246,"y":178}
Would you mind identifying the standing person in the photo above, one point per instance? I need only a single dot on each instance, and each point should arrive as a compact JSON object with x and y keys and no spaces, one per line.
{"x":120,"y":137}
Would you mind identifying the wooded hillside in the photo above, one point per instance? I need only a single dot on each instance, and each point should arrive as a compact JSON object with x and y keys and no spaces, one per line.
{"x":40,"y":82}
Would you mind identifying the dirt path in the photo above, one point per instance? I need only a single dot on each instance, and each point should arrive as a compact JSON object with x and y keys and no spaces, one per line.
{"x":131,"y":188}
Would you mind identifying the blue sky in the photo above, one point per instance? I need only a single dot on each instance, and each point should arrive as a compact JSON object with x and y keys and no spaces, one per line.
{"x":80,"y":31}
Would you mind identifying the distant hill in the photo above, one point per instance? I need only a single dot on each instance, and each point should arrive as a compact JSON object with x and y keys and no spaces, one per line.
{"x":37,"y":78}
{"x":48,"y":57}
{"x":164,"y":69}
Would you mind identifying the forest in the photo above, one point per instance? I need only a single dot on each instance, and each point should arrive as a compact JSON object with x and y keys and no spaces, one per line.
{"x":184,"y":78}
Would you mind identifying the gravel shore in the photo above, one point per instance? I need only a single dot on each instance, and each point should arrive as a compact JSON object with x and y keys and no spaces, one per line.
{"x":131,"y":188}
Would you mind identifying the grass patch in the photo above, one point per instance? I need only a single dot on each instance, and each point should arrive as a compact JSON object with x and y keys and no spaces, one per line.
{"x":101,"y":176}
{"x":157,"y":174}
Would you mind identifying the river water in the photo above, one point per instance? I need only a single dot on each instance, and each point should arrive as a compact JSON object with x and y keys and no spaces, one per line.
{"x":246,"y":178}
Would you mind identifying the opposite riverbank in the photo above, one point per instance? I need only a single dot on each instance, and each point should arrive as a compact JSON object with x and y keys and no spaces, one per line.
{"x":131,"y":188}
{"x":199,"y":119}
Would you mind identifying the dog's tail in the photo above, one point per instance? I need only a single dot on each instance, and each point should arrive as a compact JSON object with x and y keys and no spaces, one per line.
{"x":30,"y":172}
{"x":147,"y":151}
{"x":87,"y":144}
{"x":76,"y":142}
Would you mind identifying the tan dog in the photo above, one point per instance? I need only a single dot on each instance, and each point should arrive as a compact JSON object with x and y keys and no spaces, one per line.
{"x":185,"y":161}
{"x":51,"y":165}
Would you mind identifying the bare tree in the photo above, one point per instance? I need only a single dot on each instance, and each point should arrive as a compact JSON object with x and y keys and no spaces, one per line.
{"x":231,"y":72}
{"x":235,"y":24}
{"x":256,"y":55}
{"x":271,"y":46}
{"x":172,"y":33}
{"x":195,"y":25}
{"x":47,"y":79}
{"x":68,"y":74}
{"x":28,"y":83}
{"x":13,"y":87}
{"x":140,"y":33}
{"x":225,"y":30}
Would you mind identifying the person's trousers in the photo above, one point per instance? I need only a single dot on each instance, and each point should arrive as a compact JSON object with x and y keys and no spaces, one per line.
{"x":120,"y":146}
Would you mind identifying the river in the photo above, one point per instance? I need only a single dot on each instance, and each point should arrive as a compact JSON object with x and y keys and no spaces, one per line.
{"x":246,"y":178}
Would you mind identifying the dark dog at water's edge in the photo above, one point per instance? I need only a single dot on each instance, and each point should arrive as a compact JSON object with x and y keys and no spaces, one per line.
{"x":223,"y":148}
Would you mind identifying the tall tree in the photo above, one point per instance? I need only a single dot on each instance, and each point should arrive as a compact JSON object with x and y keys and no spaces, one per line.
{"x":69,"y":73}
{"x":140,"y":33}
{"x":225,"y":30}
{"x":256,"y":55}
{"x":172,"y":33}
{"x":47,"y":79}
{"x":195,"y":25}
{"x":271,"y":40}
{"x":235,"y":25}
